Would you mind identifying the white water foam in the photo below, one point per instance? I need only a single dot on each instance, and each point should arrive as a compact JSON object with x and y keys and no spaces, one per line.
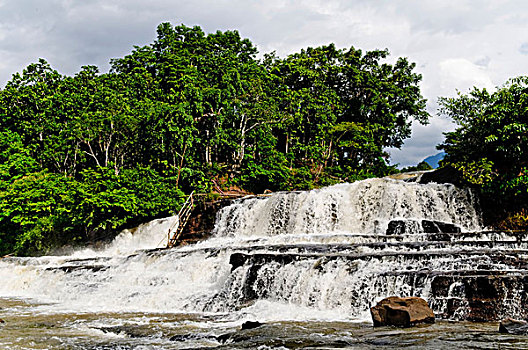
{"x":153,"y":234}
{"x":361,"y":207}
{"x":199,"y":278}
{"x":150,"y":235}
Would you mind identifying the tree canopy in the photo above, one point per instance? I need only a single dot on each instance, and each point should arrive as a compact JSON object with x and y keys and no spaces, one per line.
{"x":490,"y":145}
{"x":84,"y":155}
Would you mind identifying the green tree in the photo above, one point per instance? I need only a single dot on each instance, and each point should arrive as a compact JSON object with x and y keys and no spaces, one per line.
{"x":490,"y":145}
{"x":345,"y":107}
{"x":419,"y":167}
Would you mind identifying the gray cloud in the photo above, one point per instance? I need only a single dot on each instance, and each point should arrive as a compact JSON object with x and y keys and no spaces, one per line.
{"x":523,"y":49}
{"x":456,"y":43}
{"x":422,"y":142}
{"x":483,"y":61}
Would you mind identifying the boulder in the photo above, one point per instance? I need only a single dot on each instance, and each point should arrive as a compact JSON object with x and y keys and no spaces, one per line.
{"x":430,"y":226}
{"x":401,"y":312}
{"x":251,"y":325}
{"x":410,"y":226}
{"x":402,"y":227}
{"x":443,"y":175}
{"x":511,"y":326}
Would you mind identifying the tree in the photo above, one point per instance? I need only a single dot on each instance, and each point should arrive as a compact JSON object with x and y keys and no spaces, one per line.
{"x":490,"y":145}
{"x":419,"y":167}
{"x":345,"y":107}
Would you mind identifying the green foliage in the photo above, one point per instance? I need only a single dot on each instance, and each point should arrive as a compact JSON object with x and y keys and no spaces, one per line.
{"x":15,"y":158}
{"x":83,"y":156}
{"x":516,"y":220}
{"x":42,"y":210}
{"x":490,"y":146}
{"x":344,"y":107}
{"x":478,"y":172}
{"x":31,"y":207}
{"x":107,"y":201}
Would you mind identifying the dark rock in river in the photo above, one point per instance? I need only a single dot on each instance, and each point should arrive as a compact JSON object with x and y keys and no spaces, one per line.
{"x":251,"y":325}
{"x":401,"y":227}
{"x":236,"y":260}
{"x":430,"y":226}
{"x":239,"y":336}
{"x":401,"y":312}
{"x":441,"y":176}
{"x":191,"y":336}
{"x":225,"y":337}
{"x":511,"y":326}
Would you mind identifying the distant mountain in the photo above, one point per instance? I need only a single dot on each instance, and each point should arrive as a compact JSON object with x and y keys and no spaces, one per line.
{"x":433,"y":160}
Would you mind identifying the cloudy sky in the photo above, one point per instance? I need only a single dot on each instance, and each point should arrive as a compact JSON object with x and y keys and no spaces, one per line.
{"x":456,"y":44}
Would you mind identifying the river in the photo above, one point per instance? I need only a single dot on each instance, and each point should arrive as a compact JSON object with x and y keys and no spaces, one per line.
{"x":307,"y":265}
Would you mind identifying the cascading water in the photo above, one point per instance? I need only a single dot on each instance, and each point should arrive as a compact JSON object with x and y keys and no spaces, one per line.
{"x":322,"y":255}
{"x":361,"y":207}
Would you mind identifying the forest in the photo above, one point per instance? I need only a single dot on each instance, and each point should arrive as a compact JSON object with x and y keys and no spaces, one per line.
{"x":84,"y":156}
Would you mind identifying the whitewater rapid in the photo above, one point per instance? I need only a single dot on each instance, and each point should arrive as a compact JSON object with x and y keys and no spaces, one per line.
{"x":360,"y":207}
{"x":131,"y":275}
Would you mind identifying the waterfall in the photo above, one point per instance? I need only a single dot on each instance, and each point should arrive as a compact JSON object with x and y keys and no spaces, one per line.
{"x":361,"y":207}
{"x":324,"y":254}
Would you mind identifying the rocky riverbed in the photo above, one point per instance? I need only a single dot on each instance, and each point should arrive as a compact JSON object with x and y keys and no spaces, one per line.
{"x":27,"y":327}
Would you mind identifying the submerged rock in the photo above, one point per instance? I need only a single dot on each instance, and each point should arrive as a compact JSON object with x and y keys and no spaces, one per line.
{"x":130,"y":331}
{"x":401,"y":312}
{"x":239,"y":336}
{"x":511,"y":326}
{"x":191,"y":336}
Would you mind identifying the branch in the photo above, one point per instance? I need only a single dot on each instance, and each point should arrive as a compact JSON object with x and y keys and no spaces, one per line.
{"x":91,"y":153}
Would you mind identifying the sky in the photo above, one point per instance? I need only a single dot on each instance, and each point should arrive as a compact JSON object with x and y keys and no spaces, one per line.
{"x":455,"y":44}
